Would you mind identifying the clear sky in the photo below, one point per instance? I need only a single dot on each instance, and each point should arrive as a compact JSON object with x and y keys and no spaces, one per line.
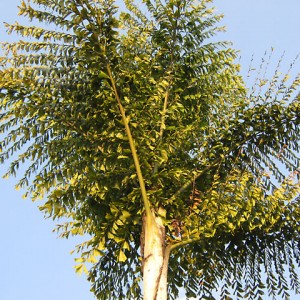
{"x":34,"y":263}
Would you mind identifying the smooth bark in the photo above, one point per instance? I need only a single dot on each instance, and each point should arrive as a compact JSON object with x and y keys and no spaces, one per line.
{"x":155,"y":259}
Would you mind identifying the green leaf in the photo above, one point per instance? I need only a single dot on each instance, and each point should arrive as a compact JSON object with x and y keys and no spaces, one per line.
{"x":122,"y":257}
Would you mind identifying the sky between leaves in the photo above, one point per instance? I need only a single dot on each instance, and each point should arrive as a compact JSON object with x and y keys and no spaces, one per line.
{"x":34,"y":263}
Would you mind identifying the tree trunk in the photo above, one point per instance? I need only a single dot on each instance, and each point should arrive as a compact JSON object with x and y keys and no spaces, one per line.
{"x":155,"y":259}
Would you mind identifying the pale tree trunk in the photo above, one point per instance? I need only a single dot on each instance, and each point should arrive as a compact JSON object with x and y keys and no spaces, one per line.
{"x":155,"y":259}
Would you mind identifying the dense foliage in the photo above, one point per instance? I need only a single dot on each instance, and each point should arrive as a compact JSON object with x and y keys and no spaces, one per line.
{"x":220,"y":165}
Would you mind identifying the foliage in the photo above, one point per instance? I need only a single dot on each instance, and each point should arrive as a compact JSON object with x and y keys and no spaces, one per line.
{"x":219,"y":164}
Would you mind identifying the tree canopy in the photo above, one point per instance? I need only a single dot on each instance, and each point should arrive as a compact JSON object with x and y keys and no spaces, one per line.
{"x":123,"y":115}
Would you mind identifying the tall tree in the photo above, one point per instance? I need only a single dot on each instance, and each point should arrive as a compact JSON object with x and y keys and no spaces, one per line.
{"x":138,"y":130}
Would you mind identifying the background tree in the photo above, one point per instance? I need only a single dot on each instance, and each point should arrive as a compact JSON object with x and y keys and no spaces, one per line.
{"x":140,"y":132}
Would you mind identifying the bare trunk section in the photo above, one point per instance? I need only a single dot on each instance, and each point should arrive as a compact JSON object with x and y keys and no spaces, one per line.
{"x":162,"y":292}
{"x":155,"y":259}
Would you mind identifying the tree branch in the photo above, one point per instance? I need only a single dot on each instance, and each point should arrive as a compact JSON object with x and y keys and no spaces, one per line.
{"x":183,"y":243}
{"x":132,"y":147}
{"x":196,"y":176}
{"x":162,"y":125}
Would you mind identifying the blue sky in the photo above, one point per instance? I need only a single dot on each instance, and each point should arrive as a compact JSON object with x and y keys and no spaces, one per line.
{"x":34,"y":263}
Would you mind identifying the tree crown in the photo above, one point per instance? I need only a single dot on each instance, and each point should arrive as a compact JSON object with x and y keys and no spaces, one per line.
{"x":120,"y":113}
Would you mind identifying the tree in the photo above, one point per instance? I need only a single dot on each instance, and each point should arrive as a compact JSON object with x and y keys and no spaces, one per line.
{"x":140,"y":133}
